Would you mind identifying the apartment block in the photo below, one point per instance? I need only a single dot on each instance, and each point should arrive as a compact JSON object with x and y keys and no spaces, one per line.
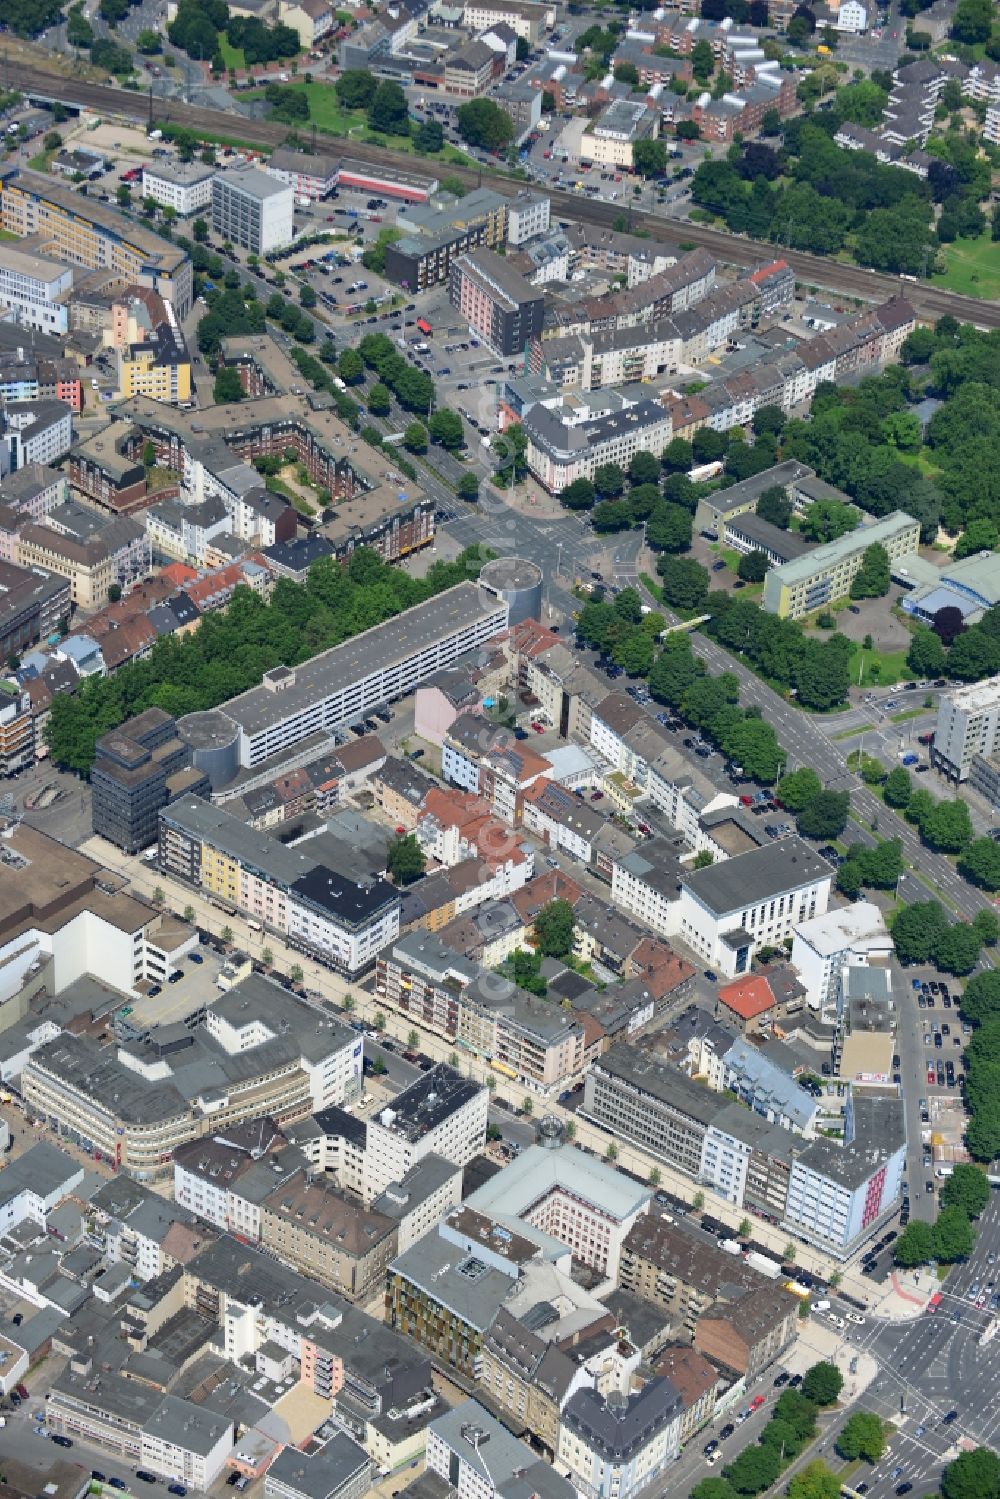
{"x":968,"y":726}
{"x":186,"y":187}
{"x":496,"y":301}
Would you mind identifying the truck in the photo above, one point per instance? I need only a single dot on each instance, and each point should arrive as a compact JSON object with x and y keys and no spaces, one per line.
{"x":764,"y":1264}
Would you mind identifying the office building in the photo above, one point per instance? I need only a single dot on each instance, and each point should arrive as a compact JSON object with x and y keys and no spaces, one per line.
{"x":825,"y":573}
{"x":95,"y":553}
{"x":341,"y":685}
{"x":36,"y":289}
{"x":433,"y":236}
{"x":441,"y":1112}
{"x":527,"y":19}
{"x":184,"y":186}
{"x":340,"y":1469}
{"x":968,"y":726}
{"x":528,"y":216}
{"x":137,"y":768}
{"x":38,"y":431}
{"x":321,"y":1232}
{"x":92,"y":234}
{"x":569,"y":1195}
{"x":252,"y":210}
{"x":258,"y":1052}
{"x":611,"y":139}
{"x":496,"y":302}
{"x":821,"y":947}
{"x":730,"y":909}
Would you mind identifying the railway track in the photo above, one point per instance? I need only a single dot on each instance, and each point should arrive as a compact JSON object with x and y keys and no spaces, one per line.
{"x":814,"y":270}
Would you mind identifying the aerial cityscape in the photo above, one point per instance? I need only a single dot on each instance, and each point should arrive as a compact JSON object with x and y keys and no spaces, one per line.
{"x":500,"y":749}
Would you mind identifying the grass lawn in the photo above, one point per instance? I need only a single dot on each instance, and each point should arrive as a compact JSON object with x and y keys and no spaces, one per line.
{"x":40,"y":163}
{"x":889,"y":667}
{"x":231,"y":56}
{"x":326,"y":114}
{"x":910,"y":713}
{"x":7,"y":234}
{"x":972,"y":266}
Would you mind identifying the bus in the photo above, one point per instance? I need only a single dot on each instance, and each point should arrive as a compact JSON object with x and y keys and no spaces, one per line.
{"x":425,"y":328}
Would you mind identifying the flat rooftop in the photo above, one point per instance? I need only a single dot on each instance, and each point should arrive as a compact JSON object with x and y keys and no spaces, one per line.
{"x":730,"y":884}
{"x":377,"y":650}
{"x":427,"y":1102}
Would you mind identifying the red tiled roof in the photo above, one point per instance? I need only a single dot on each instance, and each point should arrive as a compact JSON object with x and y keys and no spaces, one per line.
{"x":747,"y":998}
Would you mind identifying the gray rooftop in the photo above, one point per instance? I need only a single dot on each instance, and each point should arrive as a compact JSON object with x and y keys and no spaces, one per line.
{"x":731,"y":884}
{"x":379,"y":649}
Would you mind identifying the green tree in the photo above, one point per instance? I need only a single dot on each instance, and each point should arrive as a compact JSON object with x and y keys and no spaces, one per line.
{"x":554,"y":928}
{"x":669,"y":528}
{"x":713,"y":1488}
{"x":580,"y":495}
{"x":926,"y":656}
{"x":405,"y":859}
{"x":975,"y":1474}
{"x":753,"y":566}
{"x":816,"y":1481}
{"x":987,"y":924}
{"x":980,"y":1000}
{"x":822,"y":1383}
{"x":412,"y":1040}
{"x":797,"y":789}
{"x":871,"y":581}
{"x":468,"y":487}
{"x":415,"y":437}
{"x":825,"y":520}
{"x":773,"y":506}
{"x":483,"y":123}
{"x":754,"y":1470}
{"x":948,"y":827}
{"x":649,"y":158}
{"x":685,"y":582}
{"x":967,"y":1189}
{"x":380,"y":400}
{"x":428,"y":137}
{"x":351,"y":367}
{"x":388,"y":111}
{"x":862,"y":1435}
{"x":825,"y":816}
{"x":915,"y":1245}
{"x":445,"y":427}
{"x":957,"y":948}
{"x":972,"y":23}
{"x":916,"y":930}
{"x":980,"y":863}
{"x":609,"y":481}
{"x":953,"y":1236}
{"x":227,"y":385}
{"x":702,"y":859}
{"x":356,"y":88}
{"x":897,"y":788}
